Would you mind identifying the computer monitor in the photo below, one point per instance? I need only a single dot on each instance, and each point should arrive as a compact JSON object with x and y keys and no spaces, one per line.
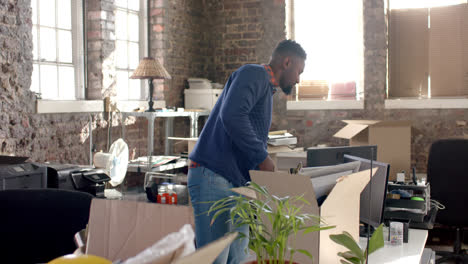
{"x":324,"y":178}
{"x":372,"y":201}
{"x":317,"y":156}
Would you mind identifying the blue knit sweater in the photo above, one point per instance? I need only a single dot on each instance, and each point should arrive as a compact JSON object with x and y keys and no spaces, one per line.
{"x":234,"y":138}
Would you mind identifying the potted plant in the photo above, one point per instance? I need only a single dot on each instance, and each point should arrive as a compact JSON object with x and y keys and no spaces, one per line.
{"x":355,"y":255}
{"x":273,"y":222}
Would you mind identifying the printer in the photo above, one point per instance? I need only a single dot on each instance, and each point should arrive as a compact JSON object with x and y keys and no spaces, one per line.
{"x":76,"y":177}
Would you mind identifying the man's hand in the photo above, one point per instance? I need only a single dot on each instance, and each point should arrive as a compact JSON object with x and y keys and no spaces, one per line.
{"x":267,"y":165}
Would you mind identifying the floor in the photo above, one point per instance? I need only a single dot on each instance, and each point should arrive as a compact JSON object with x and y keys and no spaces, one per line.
{"x":442,"y":239}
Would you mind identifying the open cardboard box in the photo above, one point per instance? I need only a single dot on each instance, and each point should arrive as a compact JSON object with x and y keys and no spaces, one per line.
{"x":340,"y":209}
{"x":118,"y":230}
{"x":393,"y":140}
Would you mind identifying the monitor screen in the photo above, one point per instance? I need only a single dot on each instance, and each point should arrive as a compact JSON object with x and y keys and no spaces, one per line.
{"x":324,"y":178}
{"x":373,"y":196}
{"x":326,"y":156}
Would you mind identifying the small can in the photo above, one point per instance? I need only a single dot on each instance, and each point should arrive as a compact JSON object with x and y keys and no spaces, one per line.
{"x":396,"y":233}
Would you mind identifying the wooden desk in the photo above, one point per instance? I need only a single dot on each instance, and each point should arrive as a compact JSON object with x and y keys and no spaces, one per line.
{"x":408,"y":253}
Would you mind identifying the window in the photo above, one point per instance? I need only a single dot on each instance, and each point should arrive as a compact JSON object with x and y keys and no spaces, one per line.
{"x":331,"y":33}
{"x":129,"y":47}
{"x":428,"y":49}
{"x":57,"y":45}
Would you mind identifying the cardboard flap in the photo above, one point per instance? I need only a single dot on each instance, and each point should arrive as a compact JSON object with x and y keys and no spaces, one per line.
{"x":362,"y":122}
{"x":246,"y":192}
{"x":284,"y":184}
{"x":341,"y":209}
{"x":393,"y":123}
{"x":350,"y":130}
{"x":208,"y":253}
{"x":122,"y":229}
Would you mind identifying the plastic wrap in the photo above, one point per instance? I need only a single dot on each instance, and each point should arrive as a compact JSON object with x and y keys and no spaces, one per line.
{"x":169,"y":245}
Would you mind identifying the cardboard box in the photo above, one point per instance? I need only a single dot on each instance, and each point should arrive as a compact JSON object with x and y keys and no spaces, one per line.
{"x":341,"y":209}
{"x":118,"y":230}
{"x":393,"y":140}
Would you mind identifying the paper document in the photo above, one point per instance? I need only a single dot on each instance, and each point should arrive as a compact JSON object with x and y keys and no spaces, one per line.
{"x":155,"y":160}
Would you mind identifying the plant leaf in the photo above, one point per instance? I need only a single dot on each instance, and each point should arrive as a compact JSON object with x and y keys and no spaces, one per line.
{"x":346,"y":240}
{"x":305,"y":252}
{"x":350,"y":257}
{"x":347,"y":255}
{"x":376,"y":241}
{"x":316,"y":228}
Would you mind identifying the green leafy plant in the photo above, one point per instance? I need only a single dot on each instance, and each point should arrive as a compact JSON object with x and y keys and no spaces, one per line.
{"x":271,"y":220}
{"x":355,"y":255}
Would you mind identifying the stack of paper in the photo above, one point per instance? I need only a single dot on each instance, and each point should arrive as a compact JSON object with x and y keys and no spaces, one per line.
{"x":282,"y":139}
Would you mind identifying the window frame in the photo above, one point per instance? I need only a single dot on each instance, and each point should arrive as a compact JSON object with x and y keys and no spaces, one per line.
{"x":294,"y":103}
{"x":142,"y":46}
{"x":432,"y":102}
{"x":76,"y":9}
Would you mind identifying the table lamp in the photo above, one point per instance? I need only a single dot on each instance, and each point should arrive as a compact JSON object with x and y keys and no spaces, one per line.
{"x":150,"y":68}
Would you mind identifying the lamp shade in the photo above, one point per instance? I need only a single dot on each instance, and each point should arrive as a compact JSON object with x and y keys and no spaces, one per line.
{"x":150,"y":68}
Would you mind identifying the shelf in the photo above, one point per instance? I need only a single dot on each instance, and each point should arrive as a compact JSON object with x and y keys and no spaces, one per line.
{"x":180,"y":163}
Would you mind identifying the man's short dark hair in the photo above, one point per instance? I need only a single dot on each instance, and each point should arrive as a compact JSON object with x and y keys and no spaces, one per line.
{"x":289,"y":47}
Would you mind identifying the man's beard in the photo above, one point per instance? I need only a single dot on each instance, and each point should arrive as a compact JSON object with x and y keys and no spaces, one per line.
{"x":287,"y":90}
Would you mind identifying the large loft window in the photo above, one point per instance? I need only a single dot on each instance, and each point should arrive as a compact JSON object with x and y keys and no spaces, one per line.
{"x":331,"y":33}
{"x":428,"y":49}
{"x":57,"y":46}
{"x":129,"y":48}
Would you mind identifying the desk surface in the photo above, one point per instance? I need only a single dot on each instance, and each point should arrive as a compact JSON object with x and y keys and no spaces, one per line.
{"x":407,"y":253}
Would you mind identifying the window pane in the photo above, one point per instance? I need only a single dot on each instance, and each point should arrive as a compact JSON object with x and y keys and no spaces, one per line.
{"x":66,"y":82}
{"x":121,"y":25}
{"x":35,"y":78}
{"x":333,"y":49}
{"x":135,"y":88}
{"x":34,"y":36}
{"x":34,"y":11}
{"x":64,"y":14}
{"x":47,"y":12}
{"x":121,"y":54}
{"x":65,"y":46}
{"x":133,"y":27}
{"x":48,"y":44}
{"x":133,"y":55}
{"x":123,"y":3}
{"x":134,"y":5}
{"x":122,"y":85}
{"x":404,"y":4}
{"x":49,"y":82}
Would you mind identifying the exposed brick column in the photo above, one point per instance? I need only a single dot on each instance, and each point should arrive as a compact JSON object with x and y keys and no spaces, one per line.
{"x":158,"y":15}
{"x":101,"y":46}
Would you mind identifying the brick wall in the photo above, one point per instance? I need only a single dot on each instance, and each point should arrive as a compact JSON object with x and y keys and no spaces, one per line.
{"x":101,"y":45}
{"x":247,"y":31}
{"x":210,"y":39}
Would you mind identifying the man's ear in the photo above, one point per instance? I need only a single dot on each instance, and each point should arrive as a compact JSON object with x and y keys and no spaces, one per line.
{"x":286,"y":62}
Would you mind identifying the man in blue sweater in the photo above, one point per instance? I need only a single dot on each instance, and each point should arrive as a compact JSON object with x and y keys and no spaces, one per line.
{"x":234,"y":141}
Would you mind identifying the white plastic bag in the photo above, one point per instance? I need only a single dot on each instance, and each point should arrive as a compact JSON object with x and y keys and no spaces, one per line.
{"x":173,"y":246}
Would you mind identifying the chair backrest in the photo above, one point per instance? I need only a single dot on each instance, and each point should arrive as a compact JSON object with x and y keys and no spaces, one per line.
{"x":37,"y":226}
{"x":447,"y":172}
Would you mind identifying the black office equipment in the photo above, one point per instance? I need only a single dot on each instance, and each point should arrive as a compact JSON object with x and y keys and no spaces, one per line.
{"x":75,"y":177}
{"x":22,"y":176}
{"x":317,"y":156}
{"x":38,"y":225}
{"x":373,"y":196}
{"x":447,"y":170}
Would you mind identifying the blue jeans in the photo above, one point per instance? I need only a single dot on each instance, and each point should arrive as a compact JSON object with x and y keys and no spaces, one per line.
{"x":206,"y":186}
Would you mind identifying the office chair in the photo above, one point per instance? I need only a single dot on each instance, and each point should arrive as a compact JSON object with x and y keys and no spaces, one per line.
{"x":38,"y":225}
{"x":447,"y":172}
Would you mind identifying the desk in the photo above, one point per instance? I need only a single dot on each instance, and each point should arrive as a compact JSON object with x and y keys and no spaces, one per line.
{"x":408,"y":253}
{"x":169,"y":124}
